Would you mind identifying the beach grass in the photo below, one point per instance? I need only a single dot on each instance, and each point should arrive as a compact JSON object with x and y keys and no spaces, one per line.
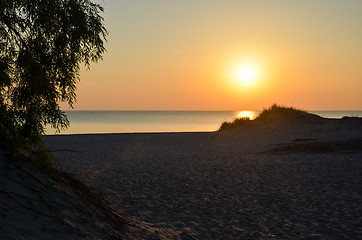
{"x":236,"y":122}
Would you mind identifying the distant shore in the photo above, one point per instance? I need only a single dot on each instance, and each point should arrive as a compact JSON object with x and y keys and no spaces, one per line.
{"x":281,"y":179}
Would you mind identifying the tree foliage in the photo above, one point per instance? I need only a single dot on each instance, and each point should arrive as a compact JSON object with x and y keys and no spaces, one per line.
{"x":42,"y":46}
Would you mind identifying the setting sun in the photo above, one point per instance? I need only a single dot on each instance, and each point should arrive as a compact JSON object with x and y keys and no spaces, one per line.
{"x":246,"y":75}
{"x":226,"y":55}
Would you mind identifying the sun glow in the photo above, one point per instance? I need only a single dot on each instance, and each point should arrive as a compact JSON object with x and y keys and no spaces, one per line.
{"x":245,"y":75}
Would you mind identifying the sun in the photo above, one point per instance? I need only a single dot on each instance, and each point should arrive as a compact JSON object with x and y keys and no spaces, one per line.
{"x":245,"y":75}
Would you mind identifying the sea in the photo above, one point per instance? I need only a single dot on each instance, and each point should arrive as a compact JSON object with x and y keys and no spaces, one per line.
{"x":94,"y":122}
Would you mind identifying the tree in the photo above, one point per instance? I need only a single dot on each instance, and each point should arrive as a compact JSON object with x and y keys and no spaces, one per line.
{"x":42,"y":46}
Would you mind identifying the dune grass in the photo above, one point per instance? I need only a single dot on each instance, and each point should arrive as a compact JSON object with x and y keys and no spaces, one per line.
{"x":236,"y":122}
{"x":286,"y":112}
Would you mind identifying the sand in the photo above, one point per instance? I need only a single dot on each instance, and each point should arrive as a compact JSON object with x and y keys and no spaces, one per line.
{"x":38,"y":202}
{"x":276,"y":180}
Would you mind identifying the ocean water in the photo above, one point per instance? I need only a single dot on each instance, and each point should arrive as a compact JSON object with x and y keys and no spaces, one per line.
{"x":82,"y":122}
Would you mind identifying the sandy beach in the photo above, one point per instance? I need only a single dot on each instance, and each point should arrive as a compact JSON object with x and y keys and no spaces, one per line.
{"x":277,"y":180}
{"x":180,"y":120}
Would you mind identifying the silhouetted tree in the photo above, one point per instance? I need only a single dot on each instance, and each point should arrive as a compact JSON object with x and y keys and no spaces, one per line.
{"x":42,"y":45}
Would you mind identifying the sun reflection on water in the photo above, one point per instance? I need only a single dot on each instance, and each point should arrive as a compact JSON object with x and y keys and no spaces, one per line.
{"x":246,"y":114}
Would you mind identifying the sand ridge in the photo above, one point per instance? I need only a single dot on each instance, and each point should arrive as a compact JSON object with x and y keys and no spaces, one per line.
{"x":39,"y":202}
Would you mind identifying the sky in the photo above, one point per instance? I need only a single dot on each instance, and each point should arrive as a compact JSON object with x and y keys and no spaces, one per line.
{"x":227,"y":55}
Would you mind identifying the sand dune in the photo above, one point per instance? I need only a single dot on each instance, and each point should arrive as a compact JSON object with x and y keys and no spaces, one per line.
{"x":38,"y":202}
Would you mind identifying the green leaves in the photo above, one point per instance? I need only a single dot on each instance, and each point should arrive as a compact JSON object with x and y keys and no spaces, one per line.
{"x":42,"y":44}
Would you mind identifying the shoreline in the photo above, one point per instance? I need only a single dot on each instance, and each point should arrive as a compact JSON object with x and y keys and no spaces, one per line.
{"x":130,"y":133}
{"x":113,"y":122}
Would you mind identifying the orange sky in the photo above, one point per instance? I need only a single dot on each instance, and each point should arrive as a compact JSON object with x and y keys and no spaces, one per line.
{"x":182,"y":55}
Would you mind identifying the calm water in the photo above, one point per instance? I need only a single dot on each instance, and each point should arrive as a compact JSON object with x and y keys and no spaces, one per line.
{"x":161,"y":121}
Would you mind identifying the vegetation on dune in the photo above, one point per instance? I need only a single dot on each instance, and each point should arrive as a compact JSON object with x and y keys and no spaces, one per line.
{"x":42,"y":45}
{"x":286,"y":112}
{"x":274,"y":110}
{"x":236,"y":122}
